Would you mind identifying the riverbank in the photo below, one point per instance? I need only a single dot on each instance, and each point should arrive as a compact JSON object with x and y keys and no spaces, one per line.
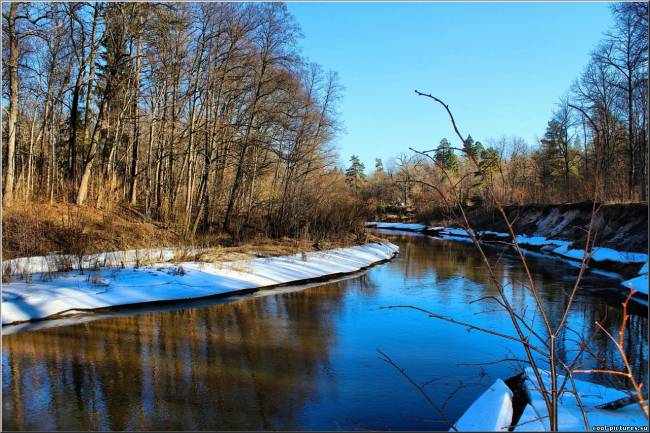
{"x":497,"y":409}
{"x":629,"y":268}
{"x":122,"y":279}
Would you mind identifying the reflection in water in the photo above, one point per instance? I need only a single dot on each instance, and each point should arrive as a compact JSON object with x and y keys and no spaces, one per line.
{"x":298,"y":360}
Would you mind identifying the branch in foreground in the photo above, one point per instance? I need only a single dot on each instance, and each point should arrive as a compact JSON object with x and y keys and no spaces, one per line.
{"x":388,"y":360}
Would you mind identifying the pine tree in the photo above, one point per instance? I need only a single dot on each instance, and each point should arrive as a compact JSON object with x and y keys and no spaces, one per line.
{"x":354,"y":175}
{"x":445,"y":156}
{"x":551,"y":152}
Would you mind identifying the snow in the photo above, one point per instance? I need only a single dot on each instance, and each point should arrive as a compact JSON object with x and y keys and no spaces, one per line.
{"x":497,"y":234}
{"x":47,"y":294}
{"x":535,"y":416}
{"x":601,"y":254}
{"x":492,"y":411}
{"x":418,"y":227}
{"x":455,"y":232}
{"x":640,"y":283}
{"x":397,"y":226}
{"x":541,"y":241}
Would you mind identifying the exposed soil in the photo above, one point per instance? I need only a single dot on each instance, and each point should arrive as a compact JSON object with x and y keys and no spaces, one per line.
{"x":623,"y":227}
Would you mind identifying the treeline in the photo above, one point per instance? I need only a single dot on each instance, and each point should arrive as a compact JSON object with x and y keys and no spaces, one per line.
{"x":200,"y":114}
{"x":595,"y":144}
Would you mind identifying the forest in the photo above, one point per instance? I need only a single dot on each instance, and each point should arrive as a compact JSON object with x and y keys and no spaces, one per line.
{"x":201,"y":115}
{"x":206,"y":117}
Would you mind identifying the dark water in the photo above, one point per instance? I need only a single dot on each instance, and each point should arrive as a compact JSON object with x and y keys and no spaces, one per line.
{"x":303,"y":359}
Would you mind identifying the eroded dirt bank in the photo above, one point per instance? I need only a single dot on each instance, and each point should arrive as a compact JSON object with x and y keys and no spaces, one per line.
{"x":623,"y":227}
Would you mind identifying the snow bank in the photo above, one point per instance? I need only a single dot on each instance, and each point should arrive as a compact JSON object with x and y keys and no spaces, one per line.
{"x":492,"y":411}
{"x":70,"y":292}
{"x":535,"y":416}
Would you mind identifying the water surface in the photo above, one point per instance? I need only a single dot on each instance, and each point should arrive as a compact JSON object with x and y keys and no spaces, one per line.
{"x":302,"y":359}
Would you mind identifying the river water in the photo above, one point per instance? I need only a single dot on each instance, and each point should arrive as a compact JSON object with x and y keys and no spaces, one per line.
{"x":305,"y":359}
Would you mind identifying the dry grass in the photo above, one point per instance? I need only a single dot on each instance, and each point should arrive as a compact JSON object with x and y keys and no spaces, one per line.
{"x":37,"y":229}
{"x":42,"y":229}
{"x":262,"y":248}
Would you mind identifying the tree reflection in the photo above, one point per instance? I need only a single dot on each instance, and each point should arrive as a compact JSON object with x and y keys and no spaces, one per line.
{"x":242,"y":365}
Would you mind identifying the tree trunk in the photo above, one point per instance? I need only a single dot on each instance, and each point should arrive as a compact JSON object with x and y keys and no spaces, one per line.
{"x":91,"y":73}
{"x":82,"y":192}
{"x":136,"y":139}
{"x":12,"y":66}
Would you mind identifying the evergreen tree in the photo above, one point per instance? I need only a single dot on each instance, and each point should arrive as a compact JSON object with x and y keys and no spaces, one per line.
{"x":379,"y":165}
{"x":354,"y":175}
{"x":445,"y":156}
{"x":473,"y":148}
{"x":550,"y":155}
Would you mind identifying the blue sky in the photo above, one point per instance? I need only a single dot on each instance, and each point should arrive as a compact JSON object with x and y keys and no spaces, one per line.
{"x":501,"y":67}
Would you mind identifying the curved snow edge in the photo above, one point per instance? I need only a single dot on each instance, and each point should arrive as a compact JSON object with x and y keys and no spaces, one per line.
{"x":74,"y":292}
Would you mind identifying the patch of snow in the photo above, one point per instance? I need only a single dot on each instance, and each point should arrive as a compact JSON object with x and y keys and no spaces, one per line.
{"x":397,"y":226}
{"x":540,"y":241}
{"x":535,"y":416}
{"x":497,"y":234}
{"x":492,"y":411}
{"x":644,"y":269}
{"x":456,"y":232}
{"x":601,"y":254}
{"x":48,"y":294}
{"x":640,"y":283}
{"x":530,"y":421}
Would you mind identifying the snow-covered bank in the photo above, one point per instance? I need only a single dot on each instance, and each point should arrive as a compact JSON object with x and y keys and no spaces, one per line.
{"x":51,"y":294}
{"x":535,"y":416}
{"x":492,"y":411}
{"x":555,"y":248}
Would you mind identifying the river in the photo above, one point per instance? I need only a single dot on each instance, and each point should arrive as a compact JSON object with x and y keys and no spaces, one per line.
{"x":304,"y":359}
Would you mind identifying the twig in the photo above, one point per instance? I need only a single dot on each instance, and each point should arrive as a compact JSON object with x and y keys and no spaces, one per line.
{"x":388,"y":360}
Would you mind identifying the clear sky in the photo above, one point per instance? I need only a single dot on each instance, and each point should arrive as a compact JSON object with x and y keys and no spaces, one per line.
{"x":501,"y":67}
